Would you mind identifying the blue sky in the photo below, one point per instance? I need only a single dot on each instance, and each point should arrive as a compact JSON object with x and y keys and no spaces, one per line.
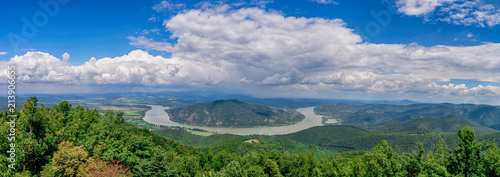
{"x":404,"y":49}
{"x":100,"y":29}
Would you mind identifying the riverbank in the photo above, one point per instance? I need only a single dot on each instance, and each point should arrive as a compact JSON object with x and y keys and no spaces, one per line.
{"x":158,"y":116}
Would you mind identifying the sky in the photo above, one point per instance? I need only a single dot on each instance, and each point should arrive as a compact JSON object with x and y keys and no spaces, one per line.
{"x":423,"y":50}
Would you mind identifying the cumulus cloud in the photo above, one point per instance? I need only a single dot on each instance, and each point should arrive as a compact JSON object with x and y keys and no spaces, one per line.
{"x":372,"y":82}
{"x":254,"y":37}
{"x":458,"y":12}
{"x":65,"y":57}
{"x":137,"y":67}
{"x":219,"y":45}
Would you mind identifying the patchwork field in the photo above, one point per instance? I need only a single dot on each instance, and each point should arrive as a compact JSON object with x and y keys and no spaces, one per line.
{"x":132,"y":114}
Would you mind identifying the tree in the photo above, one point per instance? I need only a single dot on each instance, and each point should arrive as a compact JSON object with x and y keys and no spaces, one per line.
{"x":271,"y":168}
{"x":67,"y":161}
{"x":382,"y":161}
{"x":414,"y":162}
{"x":233,"y":169}
{"x":36,"y":139}
{"x":64,"y":108}
{"x":466,"y":157}
{"x":100,"y":168}
{"x":491,"y":160}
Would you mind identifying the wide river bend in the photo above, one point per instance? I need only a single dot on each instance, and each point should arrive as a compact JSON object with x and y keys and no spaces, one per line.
{"x":158,"y":116}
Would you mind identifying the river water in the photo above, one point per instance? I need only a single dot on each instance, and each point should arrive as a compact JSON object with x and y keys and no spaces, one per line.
{"x":158,"y":116}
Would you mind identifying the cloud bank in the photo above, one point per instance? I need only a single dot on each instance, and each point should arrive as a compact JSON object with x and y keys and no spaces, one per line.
{"x":249,"y":47}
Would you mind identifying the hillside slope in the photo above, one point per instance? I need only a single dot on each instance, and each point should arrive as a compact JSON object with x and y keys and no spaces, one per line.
{"x":368,"y":116}
{"x":74,"y":141}
{"x":345,"y":138}
{"x":234,"y":113}
{"x":447,"y":123}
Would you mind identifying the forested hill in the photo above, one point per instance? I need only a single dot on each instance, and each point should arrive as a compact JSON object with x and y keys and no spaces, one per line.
{"x":447,"y":123}
{"x":234,"y":113}
{"x":73,"y":141}
{"x":367,"y":116}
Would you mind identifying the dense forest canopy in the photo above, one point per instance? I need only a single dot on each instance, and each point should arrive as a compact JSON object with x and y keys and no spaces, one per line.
{"x":372,"y":115}
{"x":74,"y":141}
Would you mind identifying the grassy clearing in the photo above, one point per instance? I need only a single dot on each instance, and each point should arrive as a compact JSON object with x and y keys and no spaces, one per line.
{"x":194,"y":132}
{"x":326,"y":120}
{"x":133,"y":113}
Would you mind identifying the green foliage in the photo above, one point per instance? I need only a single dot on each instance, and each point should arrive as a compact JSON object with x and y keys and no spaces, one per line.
{"x":82,"y":142}
{"x":236,"y":144}
{"x":67,"y":161}
{"x":367,"y":116}
{"x":447,"y":123}
{"x":465,"y":159}
{"x":234,"y":113}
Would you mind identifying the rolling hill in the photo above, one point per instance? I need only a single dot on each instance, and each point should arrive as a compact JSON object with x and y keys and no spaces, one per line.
{"x":345,"y":138}
{"x":369,"y":116}
{"x":234,"y":113}
{"x":447,"y":123}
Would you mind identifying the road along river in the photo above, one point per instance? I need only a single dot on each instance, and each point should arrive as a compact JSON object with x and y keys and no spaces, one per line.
{"x":158,"y":116}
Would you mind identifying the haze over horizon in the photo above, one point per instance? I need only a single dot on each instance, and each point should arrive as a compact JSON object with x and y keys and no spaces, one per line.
{"x":422,"y":50}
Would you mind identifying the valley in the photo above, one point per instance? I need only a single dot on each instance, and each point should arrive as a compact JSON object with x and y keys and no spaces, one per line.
{"x":158,"y":116}
{"x":339,"y":133}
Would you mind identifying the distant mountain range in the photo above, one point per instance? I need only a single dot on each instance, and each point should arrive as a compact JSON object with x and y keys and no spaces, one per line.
{"x":368,"y":116}
{"x":234,"y":113}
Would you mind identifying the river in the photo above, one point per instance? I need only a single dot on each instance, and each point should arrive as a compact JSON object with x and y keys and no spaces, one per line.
{"x":158,"y":116}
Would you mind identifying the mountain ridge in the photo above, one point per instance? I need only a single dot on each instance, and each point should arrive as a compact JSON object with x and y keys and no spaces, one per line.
{"x":447,"y":123}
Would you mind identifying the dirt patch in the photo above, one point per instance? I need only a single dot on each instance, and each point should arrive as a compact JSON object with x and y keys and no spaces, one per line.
{"x":200,"y":133}
{"x":252,"y":141}
{"x":113,"y":108}
{"x":123,"y":109}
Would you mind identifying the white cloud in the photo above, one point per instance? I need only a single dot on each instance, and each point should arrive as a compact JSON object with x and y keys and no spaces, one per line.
{"x":257,"y":48}
{"x":65,"y":57}
{"x":472,"y":13}
{"x":153,"y":19}
{"x":292,"y":76}
{"x":167,"y":6}
{"x":325,"y":1}
{"x":147,"y":43}
{"x":260,"y":3}
{"x":371,"y":82}
{"x":420,"y":7}
{"x":154,"y":31}
{"x":137,"y":67}
{"x":458,"y":12}
{"x":3,"y":53}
